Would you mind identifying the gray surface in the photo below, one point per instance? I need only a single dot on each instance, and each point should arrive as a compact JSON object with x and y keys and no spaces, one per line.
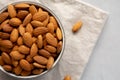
{"x":104,"y":63}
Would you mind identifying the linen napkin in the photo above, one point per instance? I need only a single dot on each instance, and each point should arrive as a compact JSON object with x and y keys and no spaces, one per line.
{"x":78,"y":46}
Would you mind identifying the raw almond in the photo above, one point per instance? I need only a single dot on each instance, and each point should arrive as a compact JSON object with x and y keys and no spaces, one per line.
{"x":25,"y":73}
{"x":34,"y":50}
{"x":3,"y":16}
{"x":24,"y":49}
{"x":50,"y":63}
{"x":15,"y":22}
{"x":37,"y":23}
{"x":32,"y":9}
{"x":77,"y":26}
{"x":50,"y":27}
{"x":51,"y":39}
{"x":45,"y":42}
{"x":21,"y":30}
{"x":3,"y":23}
{"x":20,"y":41}
{"x":4,"y":49}
{"x":51,"y":49}
{"x":14,"y":63}
{"x":37,"y":71}
{"x":39,"y":65}
{"x":11,"y":11}
{"x":14,"y":35}
{"x":29,"y":59}
{"x":40,"y":16}
{"x":40,"y":41}
{"x":22,"y":6}
{"x":7,"y":28}
{"x":7,"y":67}
{"x":53,"y":20}
{"x":40,"y":10}
{"x":34,"y":39}
{"x":16,"y":55}
{"x":1,"y":61}
{"x":27,"y":19}
{"x":17,"y":70}
{"x":45,"y":22}
{"x":6,"y":43}
{"x":40,"y":60}
{"x":27,"y":39}
{"x":44,"y":53}
{"x":4,"y":35}
{"x":15,"y":48}
{"x":59,"y":47}
{"x":22,"y":14}
{"x":6,"y":58}
{"x":67,"y":77}
{"x":25,"y":65}
{"x":40,"y":30}
{"x":59,"y":34}
{"x":29,"y":28}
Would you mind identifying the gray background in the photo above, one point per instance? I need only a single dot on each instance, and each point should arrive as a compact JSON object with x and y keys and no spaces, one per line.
{"x":104,"y":63}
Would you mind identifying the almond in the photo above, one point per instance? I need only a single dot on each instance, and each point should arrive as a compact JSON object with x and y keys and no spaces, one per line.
{"x":38,"y":65}
{"x":17,"y":70}
{"x":45,"y":22}
{"x":7,"y":67}
{"x":50,"y":27}
{"x":22,"y":6}
{"x":21,"y":30}
{"x":25,"y":73}
{"x":4,"y":49}
{"x":3,"y":16}
{"x":3,"y":23}
{"x":37,"y":71}
{"x":22,"y":14}
{"x":51,"y":49}
{"x":34,"y":50}
{"x":40,"y":30}
{"x":15,"y":22}
{"x":51,"y":39}
{"x":40,"y":10}
{"x":6,"y":43}
{"x":16,"y":55}
{"x":29,"y":28}
{"x":40,"y":41}
{"x":37,"y":23}
{"x":67,"y":77}
{"x":44,"y":53}
{"x":23,"y":49}
{"x":6,"y":58}
{"x":14,"y":63}
{"x":29,"y":59}
{"x":7,"y":28}
{"x":40,"y":60}
{"x":25,"y":65}
{"x":27,"y":39}
{"x":14,"y":35}
{"x":50,"y":63}
{"x":4,"y":35}
{"x":32,"y":67}
{"x":27,"y":19}
{"x":77,"y":26}
{"x":59,"y":47}
{"x":1,"y":61}
{"x":59,"y":34}
{"x":40,"y":16}
{"x":53,"y":20}
{"x":34,"y":39}
{"x":15,"y":48}
{"x":32,"y":9}
{"x":20,"y":41}
{"x":11,"y":11}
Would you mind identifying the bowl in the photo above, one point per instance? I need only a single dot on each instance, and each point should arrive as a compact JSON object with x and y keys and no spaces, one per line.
{"x":63,"y":46}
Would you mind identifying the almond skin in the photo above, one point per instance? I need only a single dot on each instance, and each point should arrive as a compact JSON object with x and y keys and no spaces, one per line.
{"x":23,"y":49}
{"x":22,"y":6}
{"x":20,"y":41}
{"x":21,"y":30}
{"x":51,"y":49}
{"x":11,"y":11}
{"x":53,"y":20}
{"x":7,"y":67}
{"x":14,"y":35}
{"x":40,"y":41}
{"x":25,"y":65}
{"x":32,"y":9}
{"x":27,"y":19}
{"x":40,"y":30}
{"x":59,"y":47}
{"x":6,"y":43}
{"x":40,"y":60}
{"x":22,"y":14}
{"x":29,"y":28}
{"x":34,"y":50}
{"x":16,"y":55}
{"x":50,"y":27}
{"x":77,"y":26}
{"x":50,"y":63}
{"x":17,"y":70}
{"x":6,"y":58}
{"x":59,"y":34}
{"x":4,"y":35}
{"x":37,"y":23}
{"x":7,"y":28}
{"x":37,"y":71}
{"x":44,"y":53}
{"x":3,"y":16}
{"x":51,"y":39}
{"x":40,"y":16}
{"x":15,"y":22}
{"x":67,"y":77}
{"x":38,"y":65}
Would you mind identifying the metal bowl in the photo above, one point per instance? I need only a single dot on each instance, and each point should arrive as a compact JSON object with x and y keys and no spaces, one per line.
{"x":63,"y":46}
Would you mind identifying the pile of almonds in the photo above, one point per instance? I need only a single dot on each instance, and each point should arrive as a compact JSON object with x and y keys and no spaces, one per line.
{"x":30,"y":39}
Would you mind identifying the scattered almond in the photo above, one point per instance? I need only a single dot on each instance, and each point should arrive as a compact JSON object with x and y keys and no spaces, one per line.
{"x":77,"y":26}
{"x":67,"y":77}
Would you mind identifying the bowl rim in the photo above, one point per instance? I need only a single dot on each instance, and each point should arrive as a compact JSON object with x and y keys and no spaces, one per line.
{"x":63,"y":34}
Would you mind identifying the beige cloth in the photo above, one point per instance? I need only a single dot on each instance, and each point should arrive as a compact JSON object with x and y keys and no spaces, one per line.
{"x":79,"y":46}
